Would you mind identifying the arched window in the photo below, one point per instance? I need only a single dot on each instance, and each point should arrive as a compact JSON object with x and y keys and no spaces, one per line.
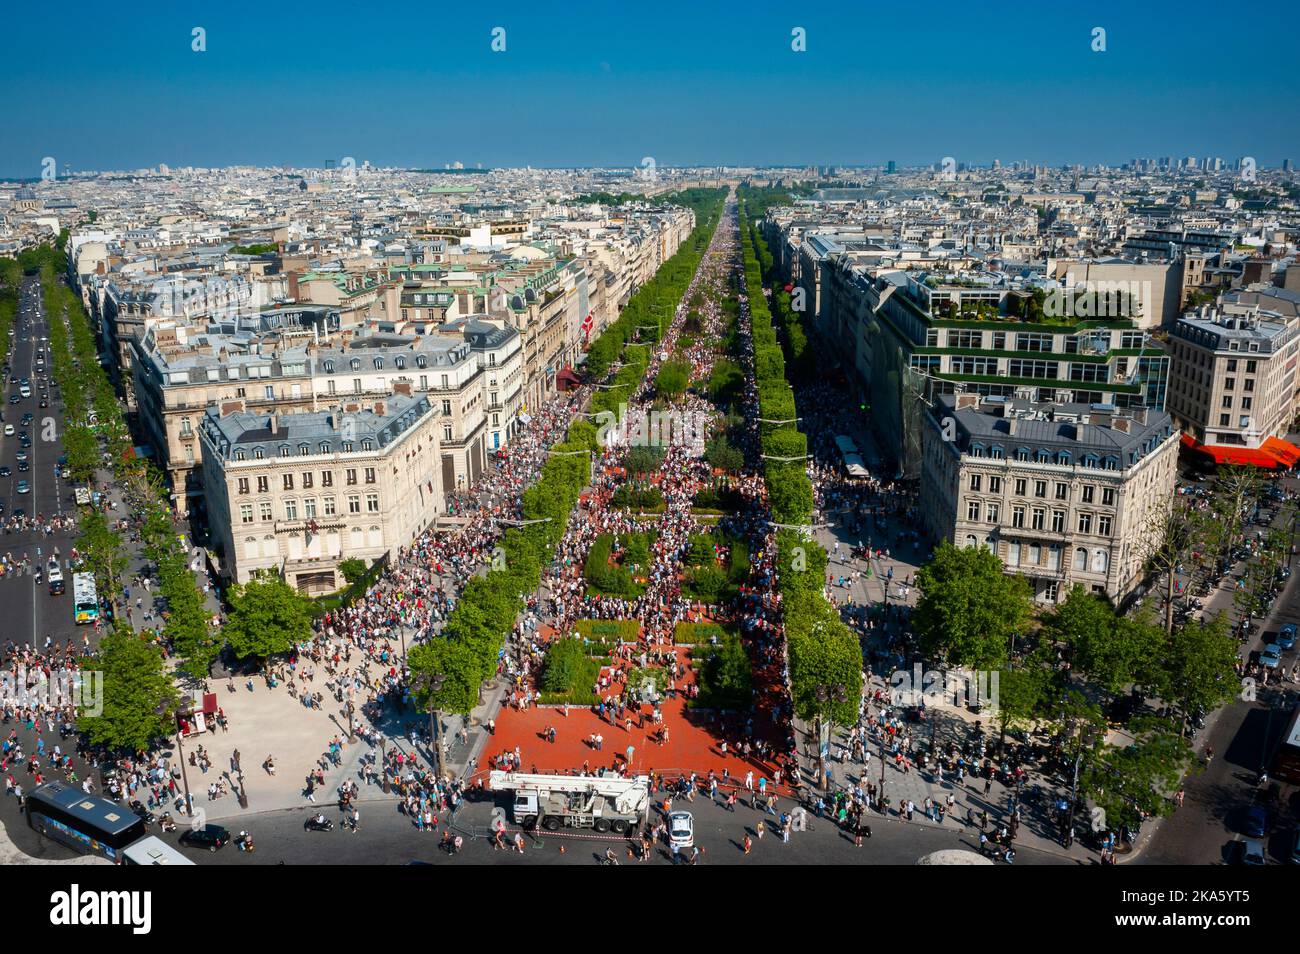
{"x":399,"y":362}
{"x":355,"y":364}
{"x":421,"y":361}
{"x":324,"y":447}
{"x":379,"y":364}
{"x":1100,"y":561}
{"x":1081,"y":559}
{"x":970,"y":540}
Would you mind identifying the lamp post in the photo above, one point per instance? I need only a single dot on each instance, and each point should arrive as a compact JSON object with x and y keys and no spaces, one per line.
{"x":432,"y":683}
{"x":168,"y":712}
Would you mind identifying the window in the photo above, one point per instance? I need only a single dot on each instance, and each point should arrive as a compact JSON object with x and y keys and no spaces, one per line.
{"x":304,"y":449}
{"x":446,"y":432}
{"x":354,"y":503}
{"x":356,"y":385}
{"x":372,"y":503}
{"x":1040,"y":488}
{"x":1224,"y":419}
{"x":329,"y":506}
{"x":269,"y":392}
{"x":995,"y":485}
{"x":1037,"y":520}
{"x":993,"y":513}
{"x":1227,"y":401}
{"x":446,"y":408}
{"x":1081,"y":559}
{"x":1058,"y":521}
{"x":327,"y":478}
{"x":284,"y":450}
{"x":245,"y":513}
{"x":257,"y":453}
{"x":287,"y":481}
{"x":1250,"y":384}
{"x":355,"y":364}
{"x":1100,"y":561}
{"x":1035,"y":554}
{"x":1049,"y":592}
{"x":1085,"y":523}
{"x":379,"y":364}
{"x":306,"y":480}
{"x":1017,"y":516}
{"x":975,"y":481}
{"x":421,"y":361}
{"x":291,"y":510}
{"x":329,"y":367}
{"x":1103,"y":525}
{"x":973,"y":510}
{"x":399,"y":362}
{"x":1088,"y":491}
{"x":309,"y":508}
{"x":367,"y":444}
{"x":331,"y":386}
{"x":263,"y":485}
{"x":240,"y":455}
{"x":243,"y":486}
{"x":347,"y":447}
{"x":187,"y":429}
{"x":351,"y":475}
{"x":1229,"y":383}
{"x":1013,"y":554}
{"x":370,"y":475}
{"x":324,"y":447}
{"x":971,"y":542}
{"x":1108,"y":496}
{"x":264,"y":511}
{"x":1062,"y":491}
{"x":1021,"y":483}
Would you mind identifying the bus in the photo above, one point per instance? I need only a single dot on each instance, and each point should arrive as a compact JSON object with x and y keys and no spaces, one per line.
{"x":152,"y":850}
{"x":1286,"y":763}
{"x":85,"y":601}
{"x":86,"y":823}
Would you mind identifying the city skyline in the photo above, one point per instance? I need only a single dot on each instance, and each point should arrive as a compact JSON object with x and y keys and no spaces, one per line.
{"x":594,"y":90}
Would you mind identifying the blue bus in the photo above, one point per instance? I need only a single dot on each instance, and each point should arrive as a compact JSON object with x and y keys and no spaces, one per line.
{"x":86,"y":823}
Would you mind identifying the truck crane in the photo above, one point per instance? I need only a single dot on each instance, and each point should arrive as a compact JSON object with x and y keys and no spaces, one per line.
{"x":575,"y":801}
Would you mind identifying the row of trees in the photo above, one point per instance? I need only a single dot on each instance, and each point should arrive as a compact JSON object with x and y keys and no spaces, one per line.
{"x":447,"y":672}
{"x":1070,"y":668}
{"x":825,"y":656}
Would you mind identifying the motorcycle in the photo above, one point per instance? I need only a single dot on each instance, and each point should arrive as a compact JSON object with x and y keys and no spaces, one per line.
{"x":318,"y":823}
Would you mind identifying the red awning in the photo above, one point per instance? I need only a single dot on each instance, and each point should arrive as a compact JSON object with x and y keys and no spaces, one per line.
{"x":1284,"y":451}
{"x":1228,"y":454}
{"x":567,"y":379}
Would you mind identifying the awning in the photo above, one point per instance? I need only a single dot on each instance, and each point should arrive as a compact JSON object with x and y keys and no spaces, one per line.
{"x":1284,"y":451}
{"x":567,"y":379}
{"x":1230,"y":455}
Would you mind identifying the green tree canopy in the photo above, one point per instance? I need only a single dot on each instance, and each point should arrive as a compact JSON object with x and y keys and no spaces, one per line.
{"x":267,"y":616}
{"x":969,"y":608}
{"x":138,"y":694}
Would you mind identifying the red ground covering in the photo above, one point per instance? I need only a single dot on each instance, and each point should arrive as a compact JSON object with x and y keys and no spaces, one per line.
{"x":693,"y":739}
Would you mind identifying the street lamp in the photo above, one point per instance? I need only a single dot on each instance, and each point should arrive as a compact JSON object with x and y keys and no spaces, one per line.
{"x":431,"y":683}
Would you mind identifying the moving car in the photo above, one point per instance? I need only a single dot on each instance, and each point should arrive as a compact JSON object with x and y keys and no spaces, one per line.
{"x":9,"y":430}
{"x":5,"y":472}
{"x":210,"y":837}
{"x":1271,"y":656}
{"x":681,"y":829}
{"x":23,"y":488}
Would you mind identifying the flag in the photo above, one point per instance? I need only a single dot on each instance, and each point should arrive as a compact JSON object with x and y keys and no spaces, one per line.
{"x":587,"y":325}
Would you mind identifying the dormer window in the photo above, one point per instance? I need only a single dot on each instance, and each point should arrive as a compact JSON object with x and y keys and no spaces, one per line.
{"x":367,"y":444}
{"x":284,"y":450}
{"x":324,"y":447}
{"x":399,"y":362}
{"x":257,"y":453}
{"x":421,"y":361}
{"x":329,"y":367}
{"x":355,"y":364}
{"x":239,"y":455}
{"x":304,"y":449}
{"x":379,"y":364}
{"x":347,"y":447}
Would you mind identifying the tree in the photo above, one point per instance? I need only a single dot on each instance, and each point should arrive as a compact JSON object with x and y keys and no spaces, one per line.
{"x":456,"y":664}
{"x":824,"y":653}
{"x":1112,"y":651}
{"x":672,"y":379}
{"x":101,"y":548}
{"x":1200,"y":665}
{"x":267,"y":616}
{"x":1020,"y":693}
{"x":352,"y":569}
{"x":82,"y":450}
{"x":138,"y":695}
{"x":1129,"y":782}
{"x":1174,"y":532}
{"x":969,"y":608}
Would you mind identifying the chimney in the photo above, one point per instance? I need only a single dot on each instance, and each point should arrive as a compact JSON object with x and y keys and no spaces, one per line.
{"x":402,"y":387}
{"x":1139,"y":415}
{"x":1011,"y":426}
{"x":230,"y":407}
{"x":1121,"y":424}
{"x":965,"y":401}
{"x":379,"y":408}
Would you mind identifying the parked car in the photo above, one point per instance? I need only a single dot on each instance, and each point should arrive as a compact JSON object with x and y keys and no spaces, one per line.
{"x":1256,"y":822}
{"x":1286,"y":636}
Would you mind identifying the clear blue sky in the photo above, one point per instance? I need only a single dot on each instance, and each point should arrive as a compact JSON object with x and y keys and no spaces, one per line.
{"x":103,"y":86}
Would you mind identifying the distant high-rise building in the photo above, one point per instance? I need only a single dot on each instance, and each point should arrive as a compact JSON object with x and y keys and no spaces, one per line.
{"x":997,"y":163}
{"x":1286,"y":165}
{"x":891,"y":166}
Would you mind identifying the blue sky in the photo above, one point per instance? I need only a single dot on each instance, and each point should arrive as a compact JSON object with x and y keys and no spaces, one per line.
{"x":100,"y":86}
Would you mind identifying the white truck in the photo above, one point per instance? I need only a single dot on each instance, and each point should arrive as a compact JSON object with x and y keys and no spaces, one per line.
{"x":573,"y":801}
